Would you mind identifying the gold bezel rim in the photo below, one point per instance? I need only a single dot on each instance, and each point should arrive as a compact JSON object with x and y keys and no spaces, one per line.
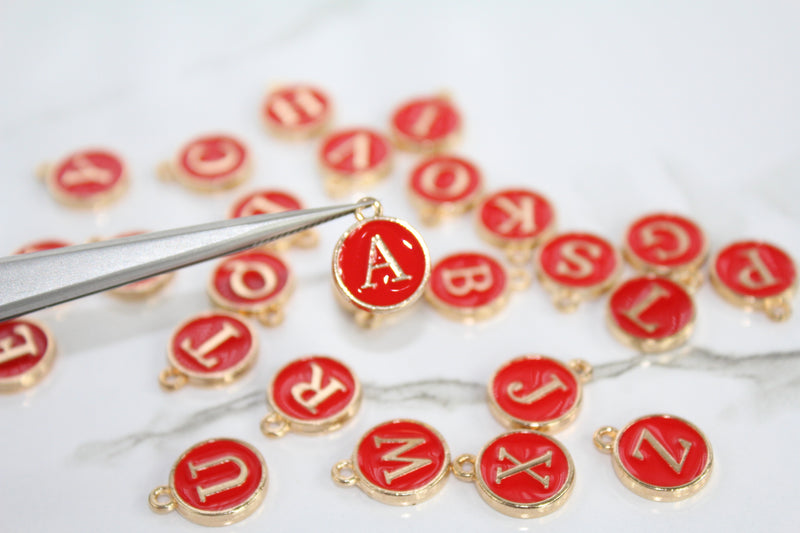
{"x":647,"y":267}
{"x":512,"y":243}
{"x":408,"y":143}
{"x":296,"y":133}
{"x":100,"y":200}
{"x":225,"y":181}
{"x":342,"y":182}
{"x":35,"y":374}
{"x":277,"y":301}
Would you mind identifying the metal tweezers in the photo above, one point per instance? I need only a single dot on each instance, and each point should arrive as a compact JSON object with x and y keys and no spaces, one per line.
{"x":34,"y":281}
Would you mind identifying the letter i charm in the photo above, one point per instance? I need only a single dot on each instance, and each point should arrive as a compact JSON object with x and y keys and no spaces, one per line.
{"x":380,"y":265}
{"x":214,"y":483}
{"x":659,"y":457}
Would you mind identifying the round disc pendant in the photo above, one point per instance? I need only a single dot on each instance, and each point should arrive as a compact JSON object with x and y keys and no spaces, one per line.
{"x":400,"y":462}
{"x":255,"y":283}
{"x":756,"y":275}
{"x":667,"y":245}
{"x":209,"y":349}
{"x":426,"y":124}
{"x":380,"y":265}
{"x":651,"y":314}
{"x":270,"y":201}
{"x":296,"y":111}
{"x":353,"y":159}
{"x":470,"y":286}
{"x":575,"y":267}
{"x":516,"y":220}
{"x":88,"y":178}
{"x":537,"y":392}
{"x":523,"y":474}
{"x":214,"y":483}
{"x":40,"y":246}
{"x":315,"y":394}
{"x":27,"y":350}
{"x":659,"y":457}
{"x":209,"y":163}
{"x":142,"y":288}
{"x":442,"y":186}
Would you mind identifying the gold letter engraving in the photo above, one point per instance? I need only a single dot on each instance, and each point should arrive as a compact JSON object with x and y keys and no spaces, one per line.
{"x":477,"y":278}
{"x":196,"y":161}
{"x":86,"y":172}
{"x":394,"y":455}
{"x":422,"y":126}
{"x":554,"y":384}
{"x":211,"y":344}
{"x":574,"y":265}
{"x":320,"y":394}
{"x":650,"y":238}
{"x":359,"y":146}
{"x":763,"y":278}
{"x":656,"y":292}
{"x":456,"y":187}
{"x":526,"y":467}
{"x":521,"y":214}
{"x":303,"y":99}
{"x":7,"y":349}
{"x":677,"y":466}
{"x":203,"y":492}
{"x":377,"y":245}
{"x":241,"y":268}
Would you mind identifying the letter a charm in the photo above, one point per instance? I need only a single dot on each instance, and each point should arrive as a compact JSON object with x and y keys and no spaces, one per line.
{"x":659,"y":457}
{"x":214,"y":483}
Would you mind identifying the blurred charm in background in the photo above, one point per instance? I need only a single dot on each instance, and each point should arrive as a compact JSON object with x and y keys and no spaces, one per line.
{"x":353,"y":159}
{"x":296,"y":111}
{"x":524,"y":474}
{"x":270,"y":201}
{"x":209,"y":163}
{"x":311,"y":395}
{"x":214,"y":483}
{"x":380,"y":266}
{"x":27,"y":350}
{"x":210,"y":349}
{"x":651,"y":314}
{"x":443,"y":186}
{"x":667,"y":245}
{"x":42,"y":245}
{"x":93,"y":177}
{"x":426,"y":124}
{"x":756,"y":275}
{"x":659,"y":457}
{"x":399,"y":462}
{"x":576,"y":267}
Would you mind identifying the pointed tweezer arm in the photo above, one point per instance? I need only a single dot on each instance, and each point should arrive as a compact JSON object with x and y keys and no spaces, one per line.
{"x":34,"y":281}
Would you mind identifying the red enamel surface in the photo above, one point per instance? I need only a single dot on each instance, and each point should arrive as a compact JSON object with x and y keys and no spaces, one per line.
{"x":263,"y":275}
{"x":338,"y":152}
{"x":301,"y":371}
{"x":40,"y":246}
{"x":521,"y":487}
{"x":374,"y":463}
{"x":263,"y":202}
{"x":354,"y":258}
{"x":520,"y":377}
{"x":468,"y":280}
{"x":445,"y":119}
{"x":651,"y":467}
{"x":733,"y":264}
{"x":494,"y":215}
{"x":186,"y":485}
{"x":578,"y":259}
{"x":212,"y":157}
{"x":89,"y":173}
{"x":665,"y":239}
{"x":298,"y":114}
{"x":200,"y":329}
{"x":669,"y":314}
{"x":12,"y":340}
{"x":444,"y":179}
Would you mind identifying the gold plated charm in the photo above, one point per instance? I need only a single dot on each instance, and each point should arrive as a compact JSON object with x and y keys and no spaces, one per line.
{"x":214,"y":483}
{"x":270,"y":201}
{"x":537,"y":392}
{"x":296,"y":111}
{"x":42,"y":245}
{"x":354,"y":159}
{"x":659,"y":457}
{"x":756,"y":275}
{"x":27,"y":350}
{"x":87,"y":178}
{"x":524,"y":474}
{"x":312,"y":395}
{"x":209,"y":349}
{"x":651,"y":314}
{"x":209,"y":163}
{"x":255,"y":283}
{"x":667,"y":245}
{"x":575,"y":267}
{"x":400,"y":462}
{"x":444,"y":185}
{"x":380,"y":266}
{"x":426,"y":124}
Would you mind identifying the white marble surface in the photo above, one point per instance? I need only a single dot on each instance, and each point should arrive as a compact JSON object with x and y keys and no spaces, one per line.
{"x":611,"y":110}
